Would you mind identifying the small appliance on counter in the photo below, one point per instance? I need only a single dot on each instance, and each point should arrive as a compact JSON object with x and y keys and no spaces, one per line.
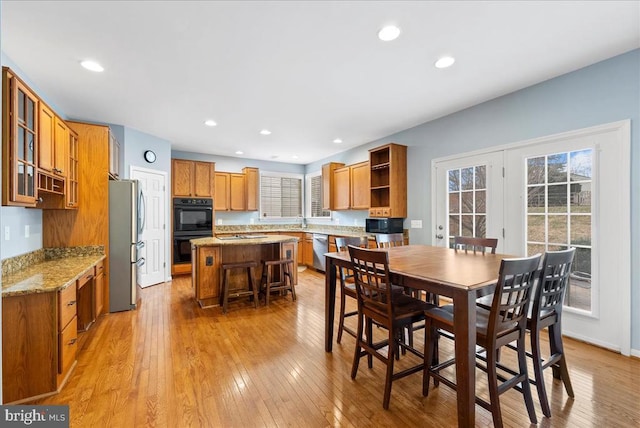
{"x":126,"y":221}
{"x":384,"y":225}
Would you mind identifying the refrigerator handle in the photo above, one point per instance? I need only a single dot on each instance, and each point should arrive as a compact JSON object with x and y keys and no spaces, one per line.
{"x":142,"y":212}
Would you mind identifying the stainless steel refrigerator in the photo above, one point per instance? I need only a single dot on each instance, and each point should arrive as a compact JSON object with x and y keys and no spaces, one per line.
{"x":126,"y":221}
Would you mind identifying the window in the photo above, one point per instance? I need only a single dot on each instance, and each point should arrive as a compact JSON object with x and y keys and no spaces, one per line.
{"x":280,"y":195}
{"x":314,"y":191}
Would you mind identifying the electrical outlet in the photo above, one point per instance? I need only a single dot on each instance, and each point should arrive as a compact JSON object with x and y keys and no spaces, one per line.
{"x":416,"y":224}
{"x":219,"y":221}
{"x":209,"y":261}
{"x":355,"y":221}
{"x":337,"y":221}
{"x":26,"y":231}
{"x":252,"y":220}
{"x":7,"y":233}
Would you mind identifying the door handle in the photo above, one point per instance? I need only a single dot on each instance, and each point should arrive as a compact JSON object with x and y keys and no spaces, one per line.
{"x":439,"y":236}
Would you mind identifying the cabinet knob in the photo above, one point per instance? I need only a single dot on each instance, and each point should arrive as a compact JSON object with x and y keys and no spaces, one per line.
{"x":72,"y":341}
{"x":71,"y":303}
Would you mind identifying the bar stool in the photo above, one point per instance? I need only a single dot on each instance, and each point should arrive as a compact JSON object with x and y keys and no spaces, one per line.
{"x":285,"y":283}
{"x":238,"y":292}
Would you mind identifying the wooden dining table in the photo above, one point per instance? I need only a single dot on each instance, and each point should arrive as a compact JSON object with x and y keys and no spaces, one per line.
{"x":446,"y":272}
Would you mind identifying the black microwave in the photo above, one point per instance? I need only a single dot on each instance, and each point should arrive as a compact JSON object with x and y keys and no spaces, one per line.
{"x":384,"y":225}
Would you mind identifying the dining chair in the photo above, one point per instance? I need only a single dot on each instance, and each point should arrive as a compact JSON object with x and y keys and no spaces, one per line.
{"x":386,"y":240}
{"x":467,"y":243}
{"x":378,"y":303}
{"x":347,"y":289}
{"x":546,"y":312}
{"x":504,"y":323}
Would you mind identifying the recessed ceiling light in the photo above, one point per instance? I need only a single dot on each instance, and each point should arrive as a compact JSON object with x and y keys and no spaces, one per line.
{"x":445,"y":61}
{"x":265,"y":132}
{"x":210,"y":122}
{"x":274,"y":157}
{"x":388,"y":33}
{"x":92,"y":65}
{"x":239,"y":152}
{"x":294,"y":157}
{"x":337,"y":141}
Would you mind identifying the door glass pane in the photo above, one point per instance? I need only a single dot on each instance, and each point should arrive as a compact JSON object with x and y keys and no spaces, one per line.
{"x":466,"y":175}
{"x":559,"y":208}
{"x":22,"y":117}
{"x":30,"y":146}
{"x":31,"y":108}
{"x":557,"y":168}
{"x":21,"y":145}
{"x":467,"y":201}
{"x":30,"y":181}
{"x":21,"y":179}
{"x":535,"y":171}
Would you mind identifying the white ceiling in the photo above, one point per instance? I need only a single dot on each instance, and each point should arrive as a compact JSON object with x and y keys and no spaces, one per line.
{"x":308,"y":71}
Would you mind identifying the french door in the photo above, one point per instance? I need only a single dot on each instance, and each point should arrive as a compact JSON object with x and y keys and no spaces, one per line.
{"x":469,"y":198}
{"x":565,"y":190}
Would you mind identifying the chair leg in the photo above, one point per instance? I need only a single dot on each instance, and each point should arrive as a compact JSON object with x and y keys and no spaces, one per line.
{"x":267,"y":289}
{"x":342,"y":309}
{"x":293,"y":287}
{"x":538,"y":373}
{"x":357,"y":353}
{"x":225,"y":291}
{"x":253,"y":286}
{"x":557,"y":347}
{"x":494,"y":395}
{"x":430,"y":335}
{"x":389,"y":377}
{"x":526,"y":388}
{"x":369,"y":331}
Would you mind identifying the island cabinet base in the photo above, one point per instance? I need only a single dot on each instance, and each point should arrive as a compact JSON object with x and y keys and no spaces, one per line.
{"x":207,"y":262}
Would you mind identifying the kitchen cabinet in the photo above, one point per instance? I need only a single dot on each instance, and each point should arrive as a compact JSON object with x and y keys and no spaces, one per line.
{"x":19,"y":141}
{"x":206,"y":274}
{"x":60,"y":147}
{"x":86,"y":292}
{"x":328,"y":179}
{"x":359,"y":185}
{"x":341,"y":189}
{"x":252,"y":181}
{"x":73,"y":178}
{"x":192,"y":178}
{"x":351,"y":187}
{"x":99,"y":289}
{"x":114,"y":156}
{"x":307,"y":249}
{"x":46,"y":135}
{"x":231,"y":190}
{"x":388,"y":190}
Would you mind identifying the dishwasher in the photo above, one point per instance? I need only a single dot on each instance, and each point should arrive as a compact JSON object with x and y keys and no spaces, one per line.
{"x":320,"y":246}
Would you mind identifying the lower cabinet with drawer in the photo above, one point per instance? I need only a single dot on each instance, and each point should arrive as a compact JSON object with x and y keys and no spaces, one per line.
{"x":67,"y":331}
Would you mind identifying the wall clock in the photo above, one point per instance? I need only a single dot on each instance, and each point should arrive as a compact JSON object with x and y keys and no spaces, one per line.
{"x":150,"y":156}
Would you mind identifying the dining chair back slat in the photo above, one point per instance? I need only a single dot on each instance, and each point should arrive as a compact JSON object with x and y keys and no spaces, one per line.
{"x":386,"y":240}
{"x":467,"y":243}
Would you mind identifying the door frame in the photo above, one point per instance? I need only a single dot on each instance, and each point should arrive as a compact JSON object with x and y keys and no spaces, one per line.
{"x":623,"y":127}
{"x":167,"y":215}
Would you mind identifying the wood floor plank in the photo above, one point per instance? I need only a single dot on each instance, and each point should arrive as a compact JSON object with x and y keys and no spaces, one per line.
{"x":171,"y":364}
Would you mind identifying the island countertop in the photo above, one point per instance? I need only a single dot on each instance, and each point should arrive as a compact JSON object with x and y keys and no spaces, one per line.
{"x":48,"y":276}
{"x":253,"y":239}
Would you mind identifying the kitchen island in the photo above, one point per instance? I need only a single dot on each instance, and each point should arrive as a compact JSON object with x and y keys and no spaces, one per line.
{"x":208,"y":255}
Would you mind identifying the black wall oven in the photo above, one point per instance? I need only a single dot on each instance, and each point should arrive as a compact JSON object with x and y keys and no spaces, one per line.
{"x":192,"y":218}
{"x":192,"y":215}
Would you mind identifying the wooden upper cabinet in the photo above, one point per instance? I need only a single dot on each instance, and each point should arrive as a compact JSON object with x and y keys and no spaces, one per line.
{"x":203,"y":179}
{"x":73,"y":176}
{"x":46,"y":138}
{"x":388,"y":191}
{"x":221,"y":195}
{"x":341,"y":189}
{"x":360,"y":185}
{"x":328,"y":202}
{"x":60,"y":147}
{"x":192,"y":178}
{"x":20,"y":109}
{"x":252,"y":180}
{"x":237,"y":192}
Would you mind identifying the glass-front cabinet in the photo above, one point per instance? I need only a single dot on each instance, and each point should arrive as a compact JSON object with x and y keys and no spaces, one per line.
{"x":20,"y":142}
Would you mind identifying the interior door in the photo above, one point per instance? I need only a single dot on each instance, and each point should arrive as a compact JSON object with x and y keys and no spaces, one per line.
{"x":469,"y":198}
{"x":153,"y":230}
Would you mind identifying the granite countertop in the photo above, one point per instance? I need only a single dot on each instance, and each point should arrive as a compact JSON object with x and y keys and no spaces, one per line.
{"x":253,"y":239}
{"x":49,"y":275}
{"x":321,"y":231}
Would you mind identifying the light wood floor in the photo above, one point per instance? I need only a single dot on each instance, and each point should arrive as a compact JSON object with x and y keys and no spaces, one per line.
{"x":172,"y":364}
